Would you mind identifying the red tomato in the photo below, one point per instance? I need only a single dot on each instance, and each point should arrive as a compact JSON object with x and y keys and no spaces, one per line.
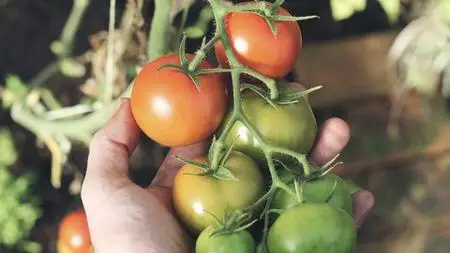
{"x":168,"y":107}
{"x":73,"y":234}
{"x":256,"y":47}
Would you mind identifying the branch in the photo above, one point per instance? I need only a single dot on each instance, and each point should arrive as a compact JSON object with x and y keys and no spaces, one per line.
{"x":159,"y":30}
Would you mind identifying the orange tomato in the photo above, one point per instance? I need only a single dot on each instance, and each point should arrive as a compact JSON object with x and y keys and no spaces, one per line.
{"x":256,"y":47}
{"x":73,"y":234}
{"x":168,"y":107}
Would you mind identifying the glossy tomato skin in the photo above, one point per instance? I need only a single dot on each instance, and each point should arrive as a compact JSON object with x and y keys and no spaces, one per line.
{"x":238,"y":242}
{"x":318,"y":191}
{"x":257,"y":47}
{"x":73,"y":234}
{"x":168,"y":107}
{"x":195,"y":196}
{"x":290,"y":126}
{"x":318,"y":228}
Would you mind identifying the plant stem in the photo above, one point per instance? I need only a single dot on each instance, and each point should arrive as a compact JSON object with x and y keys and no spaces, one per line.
{"x":71,"y":27}
{"x":237,"y":115}
{"x":159,"y":31}
{"x":108,"y":86}
{"x":45,"y":74}
{"x":181,"y":29}
{"x":201,"y":54}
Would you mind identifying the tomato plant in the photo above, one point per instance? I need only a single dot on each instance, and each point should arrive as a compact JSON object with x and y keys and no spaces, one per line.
{"x":73,"y":234}
{"x":258,"y":47}
{"x":329,"y":189}
{"x":198,"y":198}
{"x":318,"y":228}
{"x":236,"y":242}
{"x":292,"y":126}
{"x":169,"y":108}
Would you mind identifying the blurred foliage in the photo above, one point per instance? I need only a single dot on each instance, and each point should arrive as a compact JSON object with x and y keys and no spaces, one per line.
{"x":393,"y":9}
{"x":344,"y":9}
{"x":19,"y":208}
{"x":200,"y":28}
{"x":8,"y":153}
{"x":14,"y":90}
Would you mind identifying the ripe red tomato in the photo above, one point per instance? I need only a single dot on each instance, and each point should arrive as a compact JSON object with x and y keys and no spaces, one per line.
{"x":255,"y":45}
{"x":168,"y":107}
{"x":73,"y":234}
{"x":197,"y":197}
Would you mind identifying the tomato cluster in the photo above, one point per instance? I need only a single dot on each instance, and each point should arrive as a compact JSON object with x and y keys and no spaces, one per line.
{"x":253,"y":167}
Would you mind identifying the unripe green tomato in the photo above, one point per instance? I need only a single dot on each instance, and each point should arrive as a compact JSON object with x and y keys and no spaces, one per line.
{"x":238,"y":242}
{"x":312,"y":228}
{"x":318,"y":191}
{"x":292,"y":126}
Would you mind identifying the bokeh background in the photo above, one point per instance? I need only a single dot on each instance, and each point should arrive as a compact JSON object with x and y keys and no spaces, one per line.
{"x":384,"y":66}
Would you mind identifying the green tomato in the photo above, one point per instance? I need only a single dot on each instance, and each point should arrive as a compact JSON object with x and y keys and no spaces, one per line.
{"x":237,"y":242}
{"x":291,"y":126}
{"x":312,"y":228}
{"x":197,"y":198}
{"x":318,"y":191}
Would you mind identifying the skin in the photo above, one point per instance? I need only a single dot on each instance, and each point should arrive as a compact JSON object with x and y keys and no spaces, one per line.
{"x":192,"y":195}
{"x":124,"y":217}
{"x":256,"y":47}
{"x":168,"y":107}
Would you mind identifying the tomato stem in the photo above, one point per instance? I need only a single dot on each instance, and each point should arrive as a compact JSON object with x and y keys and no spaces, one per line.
{"x":201,"y":54}
{"x":159,"y":30}
{"x":63,"y":47}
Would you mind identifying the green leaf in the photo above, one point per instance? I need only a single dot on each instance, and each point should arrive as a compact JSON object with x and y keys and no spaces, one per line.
{"x":182,"y":51}
{"x":224,"y":174}
{"x":15,"y":90}
{"x":344,"y":9}
{"x":445,"y":10}
{"x":32,"y":247}
{"x":201,"y":26}
{"x":8,"y":153}
{"x":201,"y":166}
{"x":293,"y":18}
{"x":260,"y":92}
{"x":393,"y":9}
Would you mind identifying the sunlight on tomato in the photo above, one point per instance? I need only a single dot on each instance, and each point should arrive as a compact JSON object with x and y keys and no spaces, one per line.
{"x":168,"y":107}
{"x":257,"y":47}
{"x":73,"y":234}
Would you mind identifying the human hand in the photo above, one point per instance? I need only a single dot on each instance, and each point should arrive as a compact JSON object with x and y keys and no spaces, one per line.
{"x":124,"y":217}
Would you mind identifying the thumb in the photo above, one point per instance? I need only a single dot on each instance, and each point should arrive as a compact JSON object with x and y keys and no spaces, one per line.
{"x":109,"y":151}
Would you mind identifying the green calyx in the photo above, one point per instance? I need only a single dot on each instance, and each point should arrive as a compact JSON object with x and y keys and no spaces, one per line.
{"x":284,"y":98}
{"x":218,"y":170}
{"x":190,"y":68}
{"x":231,"y":223}
{"x":270,"y":13}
